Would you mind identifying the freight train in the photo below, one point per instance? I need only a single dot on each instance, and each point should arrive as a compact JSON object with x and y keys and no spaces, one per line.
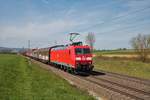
{"x":74,"y":58}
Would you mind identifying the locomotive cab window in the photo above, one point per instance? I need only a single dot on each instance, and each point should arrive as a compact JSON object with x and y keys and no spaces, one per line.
{"x":82,"y":51}
{"x":78,"y":51}
{"x":86,"y":51}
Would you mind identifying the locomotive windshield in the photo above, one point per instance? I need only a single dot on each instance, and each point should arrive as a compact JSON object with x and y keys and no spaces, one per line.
{"x":82,"y":51}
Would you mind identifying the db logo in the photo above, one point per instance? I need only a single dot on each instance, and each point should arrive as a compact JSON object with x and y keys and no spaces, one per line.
{"x":83,"y":58}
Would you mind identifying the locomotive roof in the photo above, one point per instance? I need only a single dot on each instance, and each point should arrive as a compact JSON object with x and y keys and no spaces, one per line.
{"x":75,"y":44}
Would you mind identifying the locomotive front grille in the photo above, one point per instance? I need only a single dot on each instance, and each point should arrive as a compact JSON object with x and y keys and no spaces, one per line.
{"x":84,"y":66}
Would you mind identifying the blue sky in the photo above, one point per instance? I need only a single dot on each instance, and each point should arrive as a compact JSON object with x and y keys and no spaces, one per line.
{"x":114,"y":22}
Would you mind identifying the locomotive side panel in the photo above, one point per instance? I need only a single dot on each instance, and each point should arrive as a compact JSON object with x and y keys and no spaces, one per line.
{"x":61,"y":56}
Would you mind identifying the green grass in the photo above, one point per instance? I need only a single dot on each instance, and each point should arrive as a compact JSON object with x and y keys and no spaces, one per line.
{"x":116,"y":52}
{"x":127,"y":67}
{"x":20,"y":80}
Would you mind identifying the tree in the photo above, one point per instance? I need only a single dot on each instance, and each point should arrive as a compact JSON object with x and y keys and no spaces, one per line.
{"x":141,"y":44}
{"x":90,"y":39}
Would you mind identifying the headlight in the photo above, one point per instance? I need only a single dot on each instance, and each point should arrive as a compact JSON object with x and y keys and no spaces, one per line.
{"x":89,"y":58}
{"x":78,"y":58}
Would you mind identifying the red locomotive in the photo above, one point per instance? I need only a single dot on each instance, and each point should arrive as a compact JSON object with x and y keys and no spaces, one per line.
{"x":72,"y":58}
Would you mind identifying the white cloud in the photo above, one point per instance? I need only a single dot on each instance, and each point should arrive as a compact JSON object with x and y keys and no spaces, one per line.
{"x":55,"y":23}
{"x":37,"y":31}
{"x":136,"y":4}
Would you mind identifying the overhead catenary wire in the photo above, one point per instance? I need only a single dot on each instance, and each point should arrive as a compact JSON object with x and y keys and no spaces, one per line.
{"x":116,"y":18}
{"x":129,"y":25}
{"x":123,"y":29}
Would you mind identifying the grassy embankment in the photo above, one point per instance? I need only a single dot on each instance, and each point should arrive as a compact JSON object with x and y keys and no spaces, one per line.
{"x":20,"y":80}
{"x":127,"y":66}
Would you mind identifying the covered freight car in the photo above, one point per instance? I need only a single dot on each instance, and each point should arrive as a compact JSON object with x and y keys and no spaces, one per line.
{"x":43,"y":54}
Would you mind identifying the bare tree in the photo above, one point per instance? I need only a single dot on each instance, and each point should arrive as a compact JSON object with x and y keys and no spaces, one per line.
{"x":141,"y":44}
{"x":90,"y":39}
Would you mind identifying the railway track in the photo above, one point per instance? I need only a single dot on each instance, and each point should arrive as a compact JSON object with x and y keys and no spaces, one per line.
{"x":114,"y":90}
{"x":125,"y":77}
{"x":139,"y":84}
{"x":123,"y":86}
{"x":127,"y":91}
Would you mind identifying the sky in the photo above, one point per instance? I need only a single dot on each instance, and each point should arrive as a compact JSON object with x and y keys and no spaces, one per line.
{"x":49,"y":22}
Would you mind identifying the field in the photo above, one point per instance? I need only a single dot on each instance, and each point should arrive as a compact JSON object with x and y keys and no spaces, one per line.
{"x":23,"y":80}
{"x":122,"y":64}
{"x":115,"y":52}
